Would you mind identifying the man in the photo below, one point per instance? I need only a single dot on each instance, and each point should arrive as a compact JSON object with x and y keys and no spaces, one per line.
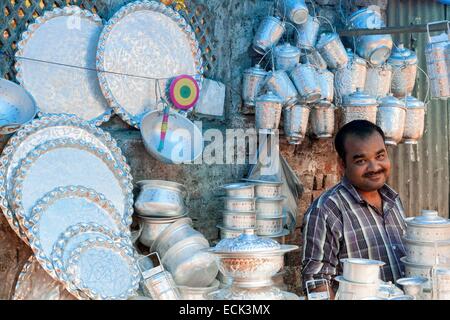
{"x":360,"y":217}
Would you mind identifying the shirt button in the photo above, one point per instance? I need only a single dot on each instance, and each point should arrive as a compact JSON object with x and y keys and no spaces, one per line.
{"x":394,"y":247}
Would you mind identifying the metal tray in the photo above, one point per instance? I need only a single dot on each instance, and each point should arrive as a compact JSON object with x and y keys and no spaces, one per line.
{"x":103,"y":270}
{"x":38,"y":132}
{"x":147,"y":40}
{"x":67,"y":37}
{"x":64,"y":207}
{"x":65,"y":162}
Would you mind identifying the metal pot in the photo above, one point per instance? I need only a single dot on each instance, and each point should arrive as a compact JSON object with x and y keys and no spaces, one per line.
{"x":295,"y":122}
{"x":267,"y":189}
{"x":391,"y":117}
{"x":304,"y":77}
{"x":295,"y":10}
{"x":404,"y":69}
{"x":362,"y":270}
{"x":307,"y":33}
{"x":253,"y":81}
{"x":269,"y":226}
{"x":286,"y":57}
{"x":240,"y":190}
{"x":374,"y":48}
{"x":332,"y":50}
{"x":269,"y":207}
{"x":413,"y":286}
{"x":159,"y":198}
{"x":415,"y":120}
{"x":268,"y":112}
{"x":239,"y":220}
{"x":322,"y":119}
{"x":326,"y":83}
{"x":279,"y":83}
{"x":351,"y":77}
{"x":378,"y":80}
{"x":359,"y":106}
{"x":226,"y":233}
{"x":428,"y":227}
{"x":426,"y":252}
{"x":197,"y":293}
{"x":239,"y":204}
{"x":418,"y":270}
{"x":151,"y":228}
{"x":159,"y":284}
{"x":355,"y":291}
{"x":268,"y":34}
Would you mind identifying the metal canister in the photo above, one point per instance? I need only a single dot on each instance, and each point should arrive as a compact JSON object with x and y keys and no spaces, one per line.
{"x":415,"y":120}
{"x":374,"y":48}
{"x":280,"y":83}
{"x":391,"y":117}
{"x":378,"y":80}
{"x":295,"y":120}
{"x":322,"y":119}
{"x":437,"y":55}
{"x":304,"y":77}
{"x":326,"y":83}
{"x":286,"y":57}
{"x":268,"y":112}
{"x":350,"y":77}
{"x":404,"y":69}
{"x":307,"y":33}
{"x":295,"y":10}
{"x":268,"y":34}
{"x":252,"y":83}
{"x":359,"y":106}
{"x":332,"y":50}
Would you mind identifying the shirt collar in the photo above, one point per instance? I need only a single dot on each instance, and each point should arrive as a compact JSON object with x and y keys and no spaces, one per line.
{"x":387,"y":193}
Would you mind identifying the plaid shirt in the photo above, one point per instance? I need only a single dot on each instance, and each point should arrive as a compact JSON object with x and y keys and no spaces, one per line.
{"x":340,"y":224}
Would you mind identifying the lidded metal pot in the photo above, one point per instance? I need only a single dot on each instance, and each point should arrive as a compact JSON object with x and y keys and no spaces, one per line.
{"x":404,"y":69}
{"x":268,"y":34}
{"x":253,"y":82}
{"x":332,"y":50}
{"x":280,"y":83}
{"x":415,"y":120}
{"x":429,"y":226}
{"x":295,"y":10}
{"x":391,"y":117}
{"x":326,"y":83}
{"x":378,"y":80}
{"x":304,"y":77}
{"x":322,"y":119}
{"x":286,"y":57}
{"x":307,"y":33}
{"x":350,"y":77}
{"x":268,"y":112}
{"x":359,"y":106}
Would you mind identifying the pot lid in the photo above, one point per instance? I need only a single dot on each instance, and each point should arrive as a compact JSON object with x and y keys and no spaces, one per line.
{"x":428,"y":217}
{"x":414,"y":103}
{"x":286,"y":50}
{"x":391,"y":101}
{"x":269,"y":97}
{"x":325,"y":38}
{"x":401,"y":55}
{"x":359,"y":98}
{"x":237,"y":185}
{"x":247,"y":242}
{"x":412,"y":281}
{"x":256,"y":70}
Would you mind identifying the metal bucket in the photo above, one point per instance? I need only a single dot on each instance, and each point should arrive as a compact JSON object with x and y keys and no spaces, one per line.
{"x":326,"y":83}
{"x":286,"y":57}
{"x":391,"y":117}
{"x":268,"y":34}
{"x":295,"y":10}
{"x":295,"y":122}
{"x":378,"y":80}
{"x":322,"y":119}
{"x":359,"y":106}
{"x":332,"y":50}
{"x":313,"y":57}
{"x":253,"y":81}
{"x":307,"y":33}
{"x":268,"y":112}
{"x":351,"y":77}
{"x":415,"y":120}
{"x":304,"y":77}
{"x":279,"y":83}
{"x":404,"y":69}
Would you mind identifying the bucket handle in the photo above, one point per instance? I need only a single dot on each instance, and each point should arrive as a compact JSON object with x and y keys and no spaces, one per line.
{"x":329,"y":22}
{"x":437,"y":22}
{"x":427,"y":95}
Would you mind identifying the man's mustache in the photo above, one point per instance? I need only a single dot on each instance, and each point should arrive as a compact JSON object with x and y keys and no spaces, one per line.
{"x":373,"y":173}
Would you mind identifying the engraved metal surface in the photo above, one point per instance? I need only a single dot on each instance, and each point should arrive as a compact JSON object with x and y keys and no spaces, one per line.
{"x":67,"y":38}
{"x":149,"y":40}
{"x":38,"y":132}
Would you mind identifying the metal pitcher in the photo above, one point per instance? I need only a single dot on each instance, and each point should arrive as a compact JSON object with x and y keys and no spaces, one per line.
{"x":268,"y":34}
{"x":280,"y":83}
{"x":322,"y":119}
{"x":359,"y":106}
{"x":304,"y":77}
{"x":391,"y":117}
{"x":326,"y":83}
{"x":332,"y":50}
{"x":437,"y":55}
{"x":404,"y":69}
{"x":378,"y":80}
{"x":415,"y":120}
{"x":295,"y":10}
{"x":253,"y":81}
{"x":286,"y":57}
{"x":295,"y":120}
{"x":307,"y":33}
{"x":268,"y":112}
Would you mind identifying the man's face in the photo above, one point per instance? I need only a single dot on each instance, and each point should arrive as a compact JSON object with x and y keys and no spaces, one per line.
{"x":367,"y":163}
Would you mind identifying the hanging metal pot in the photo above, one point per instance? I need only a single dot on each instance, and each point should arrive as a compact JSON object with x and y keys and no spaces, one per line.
{"x":404,"y":69}
{"x":415,"y":120}
{"x":279,"y":83}
{"x":359,"y":106}
{"x":286,"y":57}
{"x":252,"y":83}
{"x":304,"y":77}
{"x":391,"y":117}
{"x":307,"y":33}
{"x":326,"y":83}
{"x":322,"y":119}
{"x":268,"y":112}
{"x":295,"y":10}
{"x":295,"y":120}
{"x":378,"y":80}
{"x":332,"y":50}
{"x":313,"y":57}
{"x":268,"y":34}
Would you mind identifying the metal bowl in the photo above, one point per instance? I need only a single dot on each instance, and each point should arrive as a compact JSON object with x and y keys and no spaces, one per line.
{"x":413,"y":286}
{"x":269,"y":226}
{"x":226,"y":233}
{"x":239,"y":204}
{"x":239,"y":220}
{"x":240,"y":190}
{"x":198,"y":293}
{"x":269,"y":207}
{"x":183,"y":142}
{"x":362,"y":270}
{"x":17,"y":107}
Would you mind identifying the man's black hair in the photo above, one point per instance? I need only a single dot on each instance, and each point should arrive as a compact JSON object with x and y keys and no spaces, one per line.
{"x":358,"y":128}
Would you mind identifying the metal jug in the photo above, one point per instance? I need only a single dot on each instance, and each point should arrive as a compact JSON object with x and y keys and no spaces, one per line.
{"x":304,"y":77}
{"x":332,"y":50}
{"x":295,"y":10}
{"x":295,"y":120}
{"x":391,"y":117}
{"x":280,"y":83}
{"x":322,"y":119}
{"x":415,"y":120}
{"x":268,"y":34}
{"x":359,"y":106}
{"x":404,"y":69}
{"x":378,"y":80}
{"x":268,"y":112}
{"x":350,"y":77}
{"x":286,"y":57}
{"x":252,"y":83}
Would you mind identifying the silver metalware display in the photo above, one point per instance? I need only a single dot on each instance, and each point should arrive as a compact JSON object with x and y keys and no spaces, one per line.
{"x":267,"y":226}
{"x":391,"y":116}
{"x":418,"y":270}
{"x":415,"y":120}
{"x":151,"y":228}
{"x":428,"y":226}
{"x":413,"y":286}
{"x":350,"y":77}
{"x":269,"y":207}
{"x":304,"y":77}
{"x":326,"y":83}
{"x":253,"y":81}
{"x":183,"y":141}
{"x":160,"y":198}
{"x":240,"y":204}
{"x":239,"y":220}
{"x":426,"y":252}
{"x":240,"y":190}
{"x":332,"y":50}
{"x":198,"y":293}
{"x":307,"y":33}
{"x":286,"y":57}
{"x":279,"y":83}
{"x":361,"y":270}
{"x":404,"y":69}
{"x":321,"y":119}
{"x":294,"y":10}
{"x":268,"y":34}
{"x":374,"y":48}
{"x":268,"y":112}
{"x":17,"y":107}
{"x":359,"y":106}
{"x":355,"y":291}
{"x":378,"y":80}
{"x":295,"y":120}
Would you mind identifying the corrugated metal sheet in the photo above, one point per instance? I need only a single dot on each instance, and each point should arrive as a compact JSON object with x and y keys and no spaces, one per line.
{"x":421,"y":172}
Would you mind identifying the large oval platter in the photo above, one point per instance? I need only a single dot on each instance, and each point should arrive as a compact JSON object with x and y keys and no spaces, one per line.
{"x":67,"y":38}
{"x":38,"y":132}
{"x":147,"y":40}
